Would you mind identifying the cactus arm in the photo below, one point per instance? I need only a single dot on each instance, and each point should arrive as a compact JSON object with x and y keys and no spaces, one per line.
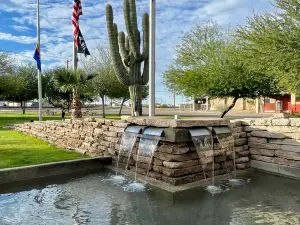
{"x":129,"y":28}
{"x":145,"y":54}
{"x":112,"y":28}
{"x":133,"y":19}
{"x":145,"y":75}
{"x":127,"y":46}
{"x":124,"y":52}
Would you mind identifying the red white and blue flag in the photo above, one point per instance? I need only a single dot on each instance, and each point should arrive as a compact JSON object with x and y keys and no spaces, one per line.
{"x":37,"y":57}
{"x":77,"y":35}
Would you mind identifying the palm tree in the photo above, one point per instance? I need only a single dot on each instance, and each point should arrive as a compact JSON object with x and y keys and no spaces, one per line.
{"x":74,"y":81}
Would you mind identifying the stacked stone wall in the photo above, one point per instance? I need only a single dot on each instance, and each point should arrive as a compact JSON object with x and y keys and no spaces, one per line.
{"x":175,"y":162}
{"x":274,"y":140}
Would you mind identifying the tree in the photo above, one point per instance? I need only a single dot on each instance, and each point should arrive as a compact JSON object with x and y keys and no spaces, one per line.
{"x":271,"y":44}
{"x":21,"y":85}
{"x":75,"y":81}
{"x":209,"y":62}
{"x":6,"y":64}
{"x":53,"y":94}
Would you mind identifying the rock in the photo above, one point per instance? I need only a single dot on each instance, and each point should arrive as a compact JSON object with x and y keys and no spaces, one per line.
{"x":244,"y":153}
{"x":220,"y":158}
{"x":238,"y":129}
{"x":173,"y":149}
{"x":242,"y":166}
{"x":184,"y":179}
{"x":142,"y":159}
{"x":267,"y":134}
{"x":284,"y":141}
{"x":240,"y":142}
{"x":254,"y":128}
{"x":219,"y":152}
{"x":239,"y":148}
{"x":257,"y":140}
{"x":295,"y":122}
{"x":265,"y":146}
{"x":287,"y":155}
{"x":176,"y":158}
{"x":242,"y":160}
{"x":263,"y":158}
{"x":280,"y":122}
{"x":157,"y":162}
{"x":177,"y":172}
{"x":265,"y":152}
{"x":287,"y":162}
{"x":184,"y":164}
{"x":262,"y":122}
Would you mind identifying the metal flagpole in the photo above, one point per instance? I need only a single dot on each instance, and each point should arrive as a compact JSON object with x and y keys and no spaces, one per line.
{"x":152,"y":59}
{"x":75,"y":57}
{"x":39,"y":72}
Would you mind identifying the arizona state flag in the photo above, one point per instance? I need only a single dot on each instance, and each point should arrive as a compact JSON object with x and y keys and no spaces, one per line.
{"x":82,"y":48}
{"x":37,"y":57}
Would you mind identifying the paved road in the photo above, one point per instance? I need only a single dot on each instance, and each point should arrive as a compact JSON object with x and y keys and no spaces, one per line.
{"x":159,"y":112}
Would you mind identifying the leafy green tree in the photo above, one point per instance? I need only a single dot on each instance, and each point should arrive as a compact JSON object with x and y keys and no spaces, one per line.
{"x":271,"y":44}
{"x":75,"y":81}
{"x":21,"y":85}
{"x":209,"y":62}
{"x":53,"y":93}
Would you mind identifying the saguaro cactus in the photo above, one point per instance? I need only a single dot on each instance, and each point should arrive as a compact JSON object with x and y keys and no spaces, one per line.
{"x":126,"y":55}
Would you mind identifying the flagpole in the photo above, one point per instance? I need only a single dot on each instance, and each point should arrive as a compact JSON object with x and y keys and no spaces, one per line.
{"x":75,"y":57}
{"x":152,"y":59}
{"x":39,"y":72}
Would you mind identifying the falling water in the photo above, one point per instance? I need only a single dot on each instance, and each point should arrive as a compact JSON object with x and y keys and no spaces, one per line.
{"x":227,"y":143}
{"x":204,"y":149}
{"x":127,"y":142}
{"x":147,"y":148}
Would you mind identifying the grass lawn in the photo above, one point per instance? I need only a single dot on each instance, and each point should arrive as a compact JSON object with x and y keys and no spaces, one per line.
{"x":17,"y":149}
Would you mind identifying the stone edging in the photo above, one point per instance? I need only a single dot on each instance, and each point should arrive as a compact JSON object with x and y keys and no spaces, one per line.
{"x":52,"y":169}
{"x":287,"y":171}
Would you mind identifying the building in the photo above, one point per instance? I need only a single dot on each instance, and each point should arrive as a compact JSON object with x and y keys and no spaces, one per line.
{"x":282,"y":103}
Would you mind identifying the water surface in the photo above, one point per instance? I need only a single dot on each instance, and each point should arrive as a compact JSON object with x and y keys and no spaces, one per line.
{"x":97,"y":199}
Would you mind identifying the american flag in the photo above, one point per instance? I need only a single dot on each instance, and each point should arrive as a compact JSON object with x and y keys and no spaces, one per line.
{"x":77,"y":12}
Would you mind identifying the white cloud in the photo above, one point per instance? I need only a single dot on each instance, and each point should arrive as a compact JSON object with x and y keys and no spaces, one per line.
{"x":18,"y":39}
{"x":173,"y":17}
{"x":20,"y":28}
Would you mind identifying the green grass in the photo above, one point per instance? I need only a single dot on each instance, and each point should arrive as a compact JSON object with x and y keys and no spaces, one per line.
{"x":17,"y":149}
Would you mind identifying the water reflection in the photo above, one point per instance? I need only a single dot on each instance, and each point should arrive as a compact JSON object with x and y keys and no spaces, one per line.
{"x":98,"y":200}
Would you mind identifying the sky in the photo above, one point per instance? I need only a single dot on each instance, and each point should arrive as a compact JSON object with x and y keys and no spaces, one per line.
{"x":18,"y":27}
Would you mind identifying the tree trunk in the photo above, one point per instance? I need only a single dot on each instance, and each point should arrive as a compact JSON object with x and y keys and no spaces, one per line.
{"x":230,"y":107}
{"x":136,"y":100}
{"x":123,"y":101}
{"x":23,"y":107}
{"x":103,"y":106}
{"x":76,"y":107}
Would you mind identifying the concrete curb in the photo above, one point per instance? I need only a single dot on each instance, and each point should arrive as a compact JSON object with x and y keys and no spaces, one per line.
{"x":281,"y":170}
{"x":52,"y":169}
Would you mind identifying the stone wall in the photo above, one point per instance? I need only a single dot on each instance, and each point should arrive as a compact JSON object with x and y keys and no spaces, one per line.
{"x":176,"y":160}
{"x":274,"y":140}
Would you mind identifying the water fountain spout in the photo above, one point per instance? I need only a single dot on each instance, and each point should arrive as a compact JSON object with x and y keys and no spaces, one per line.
{"x":203,"y":140}
{"x":127,"y":142}
{"x":148,"y":145}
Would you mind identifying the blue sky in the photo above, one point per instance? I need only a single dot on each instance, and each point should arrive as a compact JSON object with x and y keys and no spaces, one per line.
{"x":18,"y":27}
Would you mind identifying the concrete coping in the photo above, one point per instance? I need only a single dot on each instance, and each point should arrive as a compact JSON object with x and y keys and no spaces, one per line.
{"x":16,"y":174}
{"x":173,"y":123}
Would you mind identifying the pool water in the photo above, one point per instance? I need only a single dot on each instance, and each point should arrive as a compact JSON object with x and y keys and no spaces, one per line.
{"x":100,"y":199}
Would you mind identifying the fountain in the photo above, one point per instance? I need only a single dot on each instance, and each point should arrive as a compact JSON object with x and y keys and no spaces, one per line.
{"x":148,"y":144}
{"x":127,"y":143}
{"x":203,"y":140}
{"x":226,"y":140}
